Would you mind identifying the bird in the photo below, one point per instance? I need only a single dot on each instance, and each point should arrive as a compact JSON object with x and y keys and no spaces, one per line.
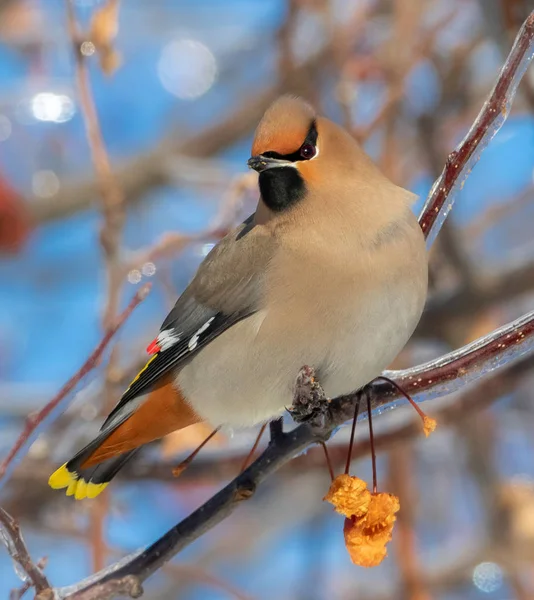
{"x":329,"y":271}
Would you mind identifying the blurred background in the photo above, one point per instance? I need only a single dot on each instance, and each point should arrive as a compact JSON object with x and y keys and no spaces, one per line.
{"x":178,"y":95}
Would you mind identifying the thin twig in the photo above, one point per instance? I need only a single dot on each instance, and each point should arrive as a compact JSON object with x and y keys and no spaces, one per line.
{"x":112,"y":198}
{"x":171,"y":243}
{"x":396,"y":91}
{"x":351,"y":441}
{"x":328,"y":461}
{"x":178,"y":470}
{"x":17,"y":593}
{"x":98,"y":512}
{"x":371,"y":441}
{"x":129,"y":586}
{"x":488,"y":122}
{"x":254,"y":448}
{"x":33,"y":422}
{"x":19,"y":553}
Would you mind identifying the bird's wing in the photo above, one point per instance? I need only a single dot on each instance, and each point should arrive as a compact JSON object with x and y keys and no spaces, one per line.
{"x":226,"y":289}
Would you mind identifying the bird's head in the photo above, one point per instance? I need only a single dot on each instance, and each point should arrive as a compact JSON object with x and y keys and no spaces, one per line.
{"x":297,"y":152}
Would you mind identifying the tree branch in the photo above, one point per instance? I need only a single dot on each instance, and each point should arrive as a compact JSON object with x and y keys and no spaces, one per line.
{"x":12,"y":538}
{"x":17,"y":593}
{"x":487,"y":392}
{"x":111,"y":194}
{"x":488,"y":122}
{"x":124,"y":586}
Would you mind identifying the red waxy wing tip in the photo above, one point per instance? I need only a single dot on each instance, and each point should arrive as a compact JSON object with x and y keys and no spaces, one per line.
{"x":153,"y":347}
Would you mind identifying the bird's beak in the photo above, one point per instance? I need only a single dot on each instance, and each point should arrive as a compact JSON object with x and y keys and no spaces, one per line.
{"x":262,"y":163}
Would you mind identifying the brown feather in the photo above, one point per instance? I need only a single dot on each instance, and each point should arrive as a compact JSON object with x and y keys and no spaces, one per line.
{"x":164,"y":411}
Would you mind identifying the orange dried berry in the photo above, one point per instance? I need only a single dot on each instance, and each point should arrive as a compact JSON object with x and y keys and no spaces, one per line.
{"x":429,"y":425}
{"x":366,"y":537}
{"x":381,"y":511}
{"x":349,"y":496}
{"x":363,"y":551}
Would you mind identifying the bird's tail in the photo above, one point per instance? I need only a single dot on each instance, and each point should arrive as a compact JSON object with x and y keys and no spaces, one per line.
{"x":87,"y":481}
{"x":131,"y":425}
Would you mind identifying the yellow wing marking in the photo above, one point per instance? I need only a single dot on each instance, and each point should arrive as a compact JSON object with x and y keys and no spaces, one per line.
{"x":142,"y":370}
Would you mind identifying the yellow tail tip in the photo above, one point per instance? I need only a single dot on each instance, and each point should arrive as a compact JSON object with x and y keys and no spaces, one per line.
{"x":62,"y":478}
{"x":94,"y":489}
{"x":77,"y":487}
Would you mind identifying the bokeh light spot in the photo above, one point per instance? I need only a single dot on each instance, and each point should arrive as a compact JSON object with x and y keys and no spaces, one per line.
{"x":45,"y":184}
{"x":87,"y":48}
{"x":487,"y":577}
{"x":47,"y":106}
{"x":148,"y":269}
{"x":187,"y":68}
{"x":134,"y":276}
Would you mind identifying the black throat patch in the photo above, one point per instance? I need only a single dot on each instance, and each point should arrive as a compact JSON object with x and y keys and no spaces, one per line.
{"x":281,"y":187}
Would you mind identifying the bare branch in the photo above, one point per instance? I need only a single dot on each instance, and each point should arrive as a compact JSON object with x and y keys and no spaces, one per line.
{"x":451,"y":372}
{"x":17,"y":593}
{"x":125,"y":586}
{"x":487,"y":124}
{"x":12,"y":538}
{"x":33,"y":422}
{"x":112,"y":198}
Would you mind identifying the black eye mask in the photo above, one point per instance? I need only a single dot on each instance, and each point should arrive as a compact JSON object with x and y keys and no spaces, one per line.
{"x":307,"y":151}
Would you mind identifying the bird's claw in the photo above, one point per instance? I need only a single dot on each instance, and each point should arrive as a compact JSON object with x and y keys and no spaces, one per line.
{"x":309,"y":400}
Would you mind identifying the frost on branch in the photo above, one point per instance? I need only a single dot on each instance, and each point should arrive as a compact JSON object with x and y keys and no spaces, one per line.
{"x":488,"y":122}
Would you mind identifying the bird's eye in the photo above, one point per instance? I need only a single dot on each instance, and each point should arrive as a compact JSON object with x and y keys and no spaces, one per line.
{"x":307,"y":151}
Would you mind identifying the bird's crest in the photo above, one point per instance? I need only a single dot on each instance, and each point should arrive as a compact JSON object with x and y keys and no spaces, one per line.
{"x":284,"y":126}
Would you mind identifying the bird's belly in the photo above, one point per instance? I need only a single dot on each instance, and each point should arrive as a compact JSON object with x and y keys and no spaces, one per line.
{"x":235,"y":380}
{"x":368,"y":346}
{"x":247,"y":375}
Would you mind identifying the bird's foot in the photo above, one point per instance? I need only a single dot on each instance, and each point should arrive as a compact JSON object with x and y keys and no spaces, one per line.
{"x":309,"y":400}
